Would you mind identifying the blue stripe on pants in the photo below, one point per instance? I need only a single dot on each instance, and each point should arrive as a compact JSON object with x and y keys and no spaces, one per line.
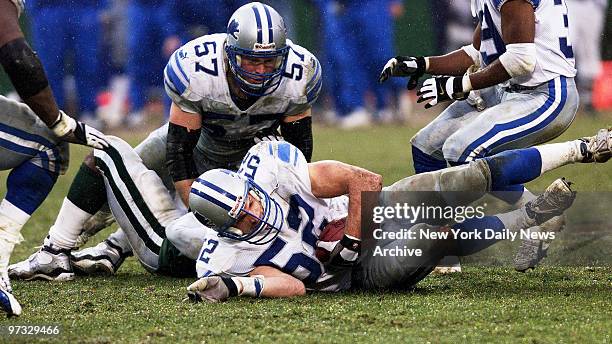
{"x":521,"y":121}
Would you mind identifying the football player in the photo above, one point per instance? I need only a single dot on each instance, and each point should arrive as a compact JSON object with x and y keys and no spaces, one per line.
{"x":227,"y":90}
{"x":525,"y":81}
{"x":248,"y":250}
{"x":33,"y":140}
{"x":254,"y":232}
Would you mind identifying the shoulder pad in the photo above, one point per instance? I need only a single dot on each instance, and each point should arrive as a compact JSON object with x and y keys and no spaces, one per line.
{"x":175,"y":77}
{"x":305,"y":69}
{"x":199,"y":59}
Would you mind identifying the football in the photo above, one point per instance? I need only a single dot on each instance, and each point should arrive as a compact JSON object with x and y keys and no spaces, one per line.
{"x":330,"y":234}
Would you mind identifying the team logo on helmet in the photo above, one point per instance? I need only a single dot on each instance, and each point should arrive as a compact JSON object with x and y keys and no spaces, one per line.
{"x":232,"y":28}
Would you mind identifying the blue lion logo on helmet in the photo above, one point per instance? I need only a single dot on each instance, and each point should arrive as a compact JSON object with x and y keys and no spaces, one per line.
{"x":232,"y":28}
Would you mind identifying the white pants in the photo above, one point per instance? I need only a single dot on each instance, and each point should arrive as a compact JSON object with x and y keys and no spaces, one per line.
{"x":512,"y":120}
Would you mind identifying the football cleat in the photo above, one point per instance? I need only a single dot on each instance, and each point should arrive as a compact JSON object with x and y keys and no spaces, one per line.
{"x":532,"y":251}
{"x":529,"y":254}
{"x":557,"y":197}
{"x":8,"y":302}
{"x":49,"y":263}
{"x":597,"y":148}
{"x":102,"y":259}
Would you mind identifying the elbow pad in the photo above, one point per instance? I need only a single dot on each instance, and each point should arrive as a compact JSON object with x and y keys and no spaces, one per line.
{"x":23,"y":68}
{"x":519,"y":59}
{"x":179,"y":152}
{"x":299,"y":134}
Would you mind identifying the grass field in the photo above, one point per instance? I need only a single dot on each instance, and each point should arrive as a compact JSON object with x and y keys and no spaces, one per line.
{"x":494,"y":304}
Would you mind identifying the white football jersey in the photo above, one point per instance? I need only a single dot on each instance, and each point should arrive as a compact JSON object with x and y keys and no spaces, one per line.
{"x":195,"y":78}
{"x":282,"y":171}
{"x":20,"y":4}
{"x":554,"y":52}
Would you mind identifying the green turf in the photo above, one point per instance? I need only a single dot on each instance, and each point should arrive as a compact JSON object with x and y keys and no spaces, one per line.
{"x":550,"y":305}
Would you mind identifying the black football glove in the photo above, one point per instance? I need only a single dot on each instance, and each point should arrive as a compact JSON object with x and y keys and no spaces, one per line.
{"x":440,"y":89}
{"x":345,"y":253}
{"x":413,"y":67}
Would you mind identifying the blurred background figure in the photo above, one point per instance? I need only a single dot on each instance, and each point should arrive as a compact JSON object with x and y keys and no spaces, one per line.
{"x":587,"y":18}
{"x":112,"y":102}
{"x":460,"y":24}
{"x":67,"y":36}
{"x":356,"y":37}
{"x":152,"y":36}
{"x":202,"y":17}
{"x":453,"y":25}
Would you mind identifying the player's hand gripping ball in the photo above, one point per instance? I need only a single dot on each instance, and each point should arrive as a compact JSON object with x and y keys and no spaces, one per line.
{"x":330,"y":235}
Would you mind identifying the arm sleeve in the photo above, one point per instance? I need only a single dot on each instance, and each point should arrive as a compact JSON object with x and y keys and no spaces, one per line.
{"x":179,"y":152}
{"x":299,"y":134}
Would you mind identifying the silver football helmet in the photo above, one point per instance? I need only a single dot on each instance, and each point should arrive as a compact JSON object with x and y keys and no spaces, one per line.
{"x":256,"y":30}
{"x":218,"y":199}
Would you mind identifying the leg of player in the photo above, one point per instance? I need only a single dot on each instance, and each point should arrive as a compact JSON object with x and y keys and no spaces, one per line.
{"x":106,"y":257}
{"x":138,"y":199}
{"x":523,"y":165}
{"x":27,"y":187}
{"x":388,"y":265}
{"x":35,"y":157}
{"x":427,"y":144}
{"x":553,"y":202}
{"x":52,"y":262}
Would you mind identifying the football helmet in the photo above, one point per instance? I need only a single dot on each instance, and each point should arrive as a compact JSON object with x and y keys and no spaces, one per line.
{"x":218,"y":199}
{"x":256,"y":31}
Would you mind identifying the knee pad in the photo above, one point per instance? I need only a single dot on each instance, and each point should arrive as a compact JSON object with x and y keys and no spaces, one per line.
{"x":28,"y":185}
{"x":424,"y":162}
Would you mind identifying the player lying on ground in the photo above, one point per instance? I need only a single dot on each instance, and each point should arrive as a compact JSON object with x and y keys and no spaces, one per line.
{"x":525,"y":90}
{"x":293,"y":200}
{"x":229,"y":263}
{"x":219,"y":110}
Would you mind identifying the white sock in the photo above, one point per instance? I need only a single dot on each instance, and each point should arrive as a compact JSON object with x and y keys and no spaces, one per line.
{"x":558,"y":154}
{"x":68,"y":226}
{"x":119,"y":238}
{"x":12,"y":220}
{"x":516,"y":220}
{"x":525,"y":197}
